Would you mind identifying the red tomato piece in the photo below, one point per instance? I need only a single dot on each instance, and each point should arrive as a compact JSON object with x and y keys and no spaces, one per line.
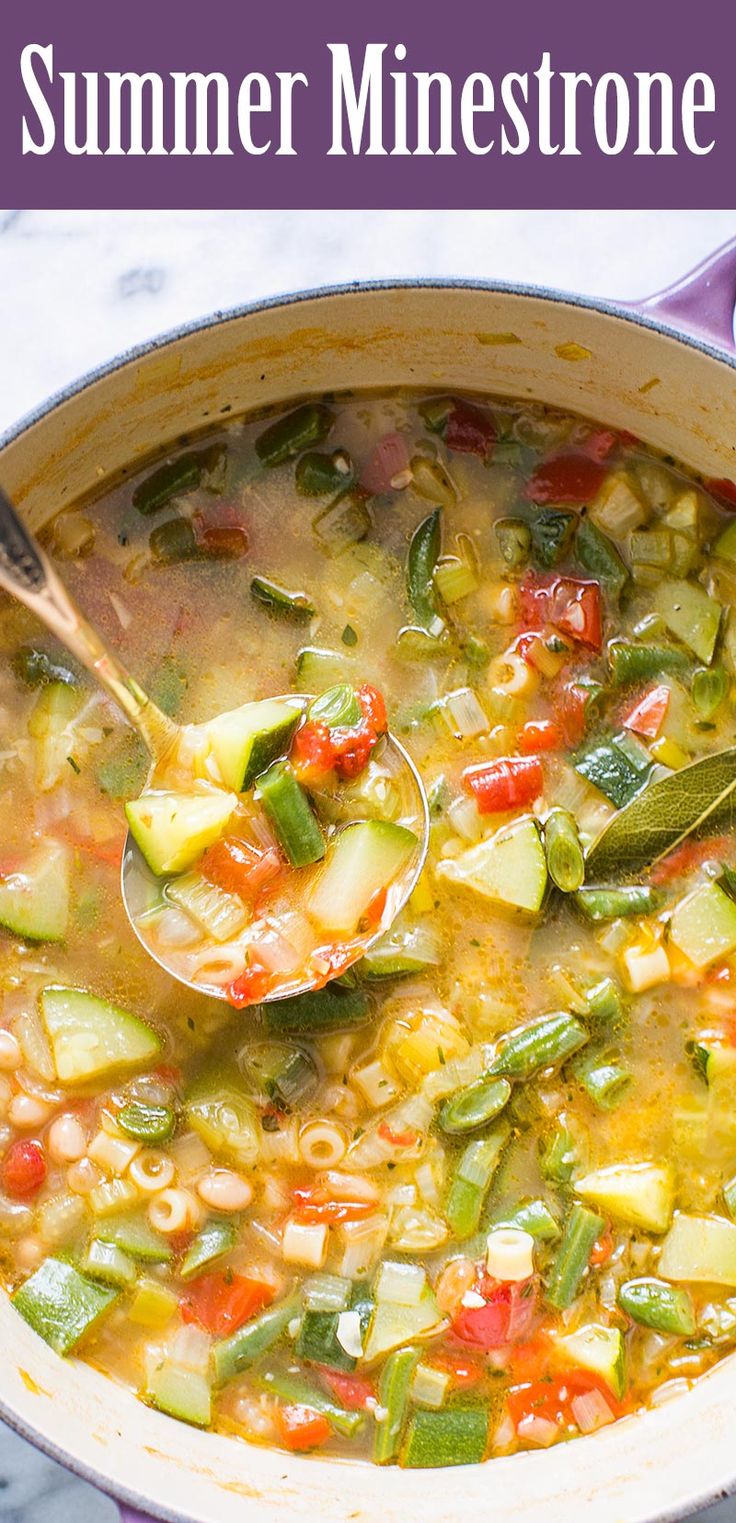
{"x":23,"y":1169}
{"x":463,"y":1371}
{"x":250,"y":987}
{"x":602,"y":1249}
{"x":220,"y":543}
{"x":469,"y":431}
{"x":221,"y":1302}
{"x":508,"y":783}
{"x":302,"y":1428}
{"x":646,"y":716}
{"x":405,"y":1139}
{"x":551,"y":1396}
{"x":374,"y":708}
{"x":317,"y":750}
{"x":689,"y":855}
{"x":507,"y":1316}
{"x":352,"y":1391}
{"x":571,"y":704}
{"x":599,"y":443}
{"x":724,"y":490}
{"x":541,"y":735}
{"x":388,"y":461}
{"x":312,"y":1205}
{"x":568,"y":479}
{"x":572,"y":605}
{"x":239,"y":868}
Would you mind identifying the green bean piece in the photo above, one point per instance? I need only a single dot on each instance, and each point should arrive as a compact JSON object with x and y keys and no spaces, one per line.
{"x":551,"y":530}
{"x":532,"y":1216}
{"x":323,"y":475}
{"x":290,"y":435}
{"x":598,"y":555}
{"x":337,"y":707}
{"x":216,"y":1238}
{"x":600,"y":904}
{"x":175,"y":479}
{"x":34,"y":668}
{"x":710,"y":685}
{"x":565,"y":860}
{"x":603,"y":1078}
{"x":289,"y":811}
{"x":281,"y":600}
{"x":639,"y":663}
{"x":173,"y":541}
{"x":393,"y":1395}
{"x":558,"y":1156}
{"x":545,"y":1042}
{"x":472,"y":1180}
{"x":151,"y":1124}
{"x":582,"y":1230}
{"x":605,"y":1005}
{"x":514,"y":540}
{"x":424,"y":552}
{"x":293,"y":1388}
{"x":344,"y":522}
{"x":238,"y":1352}
{"x":474,"y":1106}
{"x":654,"y":1303}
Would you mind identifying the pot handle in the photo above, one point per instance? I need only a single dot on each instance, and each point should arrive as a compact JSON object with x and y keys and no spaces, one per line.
{"x":702,"y":302}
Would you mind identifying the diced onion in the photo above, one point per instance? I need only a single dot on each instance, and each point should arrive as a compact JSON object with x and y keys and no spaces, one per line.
{"x":591,"y":1411}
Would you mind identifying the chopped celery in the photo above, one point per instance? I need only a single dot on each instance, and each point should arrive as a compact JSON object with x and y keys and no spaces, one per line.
{"x":216,"y":913}
{"x":153,"y":1304}
{"x":472,"y":1179}
{"x":703,"y":925}
{"x":179,"y":1391}
{"x":455,"y":578}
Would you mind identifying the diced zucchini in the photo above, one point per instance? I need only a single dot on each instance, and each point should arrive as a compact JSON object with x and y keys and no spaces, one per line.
{"x":218,"y":1108}
{"x":393,"y":1324}
{"x":179,"y":1392}
{"x":318,"y":1341}
{"x":699,"y":1249}
{"x":213,"y":1241}
{"x":725,"y":545}
{"x":401,"y":951}
{"x":281,"y":600}
{"x":703,"y":925}
{"x":317,"y":669}
{"x":172,"y":830}
{"x":50,"y":725}
{"x":132,"y":1232}
{"x":612,"y":768}
{"x":334,"y":1008}
{"x":691,"y":615}
{"x":246,"y":740}
{"x":365,"y":859}
{"x":455,"y":1436}
{"x":640,"y":1193}
{"x":34,"y":899}
{"x":63,"y":1305}
{"x":90,"y":1037}
{"x":107,"y":1262}
{"x":509,"y":867}
{"x":600,"y":1350}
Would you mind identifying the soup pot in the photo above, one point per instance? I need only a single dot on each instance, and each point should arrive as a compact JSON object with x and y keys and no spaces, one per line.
{"x":664,"y":369}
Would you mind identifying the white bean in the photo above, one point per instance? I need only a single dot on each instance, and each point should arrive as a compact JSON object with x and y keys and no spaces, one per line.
{"x":83,"y":1177}
{"x":224,"y":1190}
{"x":67,"y":1142}
{"x":10,"y":1053}
{"x":26,"y":1112}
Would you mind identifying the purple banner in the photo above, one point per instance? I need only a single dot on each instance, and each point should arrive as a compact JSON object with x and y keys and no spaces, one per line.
{"x":149,"y":104}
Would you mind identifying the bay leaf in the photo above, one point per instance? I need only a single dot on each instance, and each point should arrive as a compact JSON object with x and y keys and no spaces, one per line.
{"x":700,"y":795}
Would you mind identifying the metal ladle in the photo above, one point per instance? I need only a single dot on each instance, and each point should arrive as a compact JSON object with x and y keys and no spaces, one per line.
{"x":28,"y":575}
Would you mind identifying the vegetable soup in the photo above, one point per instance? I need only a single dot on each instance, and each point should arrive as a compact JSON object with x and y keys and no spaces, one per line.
{"x":477,"y":1193}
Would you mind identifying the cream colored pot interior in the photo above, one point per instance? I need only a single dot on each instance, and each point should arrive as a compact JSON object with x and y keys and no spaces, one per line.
{"x":626,"y":374}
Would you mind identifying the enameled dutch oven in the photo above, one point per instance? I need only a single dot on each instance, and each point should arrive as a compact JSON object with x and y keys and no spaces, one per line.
{"x":665,"y":370}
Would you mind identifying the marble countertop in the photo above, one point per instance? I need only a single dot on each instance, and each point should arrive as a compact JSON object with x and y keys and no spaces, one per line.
{"x":76,"y":287}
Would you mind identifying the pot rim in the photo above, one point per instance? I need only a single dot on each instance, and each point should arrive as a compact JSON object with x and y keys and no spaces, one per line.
{"x":623,"y":311}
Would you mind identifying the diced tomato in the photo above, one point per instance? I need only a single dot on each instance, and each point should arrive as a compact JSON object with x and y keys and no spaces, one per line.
{"x":646,"y":716}
{"x":602,"y":1249}
{"x":508,"y":783}
{"x":109,"y":850}
{"x":541,"y":735}
{"x":239,"y":868}
{"x":252,"y":985}
{"x":312,"y":751}
{"x":406,"y":1139}
{"x":551,"y":1396}
{"x":571,"y":703}
{"x":352,"y":1391}
{"x":23,"y":1169}
{"x":469,"y":431}
{"x":689,"y":855}
{"x":222,"y":544}
{"x":389,"y":460}
{"x":572,"y":605}
{"x":599,"y":443}
{"x":464,"y":1372}
{"x":374,"y":708}
{"x":302,"y":1428}
{"x":317,"y":750}
{"x":507,"y":1316}
{"x":567,"y":479}
{"x":221,"y":1302}
{"x":312,"y":1205}
{"x":724,"y":490}
{"x":376,"y":908}
{"x":168,"y":1073}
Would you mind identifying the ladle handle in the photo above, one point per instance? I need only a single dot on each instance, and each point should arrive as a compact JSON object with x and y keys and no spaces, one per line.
{"x":27,"y":574}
